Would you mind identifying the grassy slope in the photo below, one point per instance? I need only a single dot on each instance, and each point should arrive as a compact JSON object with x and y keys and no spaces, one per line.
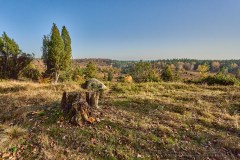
{"x":150,"y":120}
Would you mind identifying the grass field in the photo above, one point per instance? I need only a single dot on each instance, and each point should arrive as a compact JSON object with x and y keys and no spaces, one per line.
{"x":136,"y":121}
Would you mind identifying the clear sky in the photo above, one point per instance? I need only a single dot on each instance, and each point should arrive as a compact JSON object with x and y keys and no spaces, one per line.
{"x":129,"y":29}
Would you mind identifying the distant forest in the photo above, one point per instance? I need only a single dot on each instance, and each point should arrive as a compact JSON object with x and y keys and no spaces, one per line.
{"x":230,"y":66}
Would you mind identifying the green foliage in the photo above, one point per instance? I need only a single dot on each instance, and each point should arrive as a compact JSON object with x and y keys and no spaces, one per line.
{"x":203,"y":69}
{"x":77,"y":73}
{"x":167,"y":74}
{"x":12,"y":59}
{"x":144,"y":72}
{"x":90,"y":70}
{"x":45,"y":49}
{"x":66,"y":59}
{"x":65,"y":75}
{"x":176,"y":76}
{"x":238,"y":73}
{"x":30,"y":72}
{"x":220,"y":79}
{"x":110,"y":76}
{"x":224,"y":70}
{"x":57,"y":53}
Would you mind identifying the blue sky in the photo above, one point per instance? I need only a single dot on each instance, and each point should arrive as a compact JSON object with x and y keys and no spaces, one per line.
{"x":129,"y":29}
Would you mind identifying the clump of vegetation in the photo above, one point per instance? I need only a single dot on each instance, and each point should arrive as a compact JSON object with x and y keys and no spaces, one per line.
{"x":110,"y":76}
{"x":220,"y":79}
{"x":77,"y":74}
{"x":31,"y":73}
{"x":10,"y":136}
{"x":12,"y":59}
{"x":90,"y":71}
{"x":167,"y":74}
{"x":144,"y":72}
{"x":203,"y":69}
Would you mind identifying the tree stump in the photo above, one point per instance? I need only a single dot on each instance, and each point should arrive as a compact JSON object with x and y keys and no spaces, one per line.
{"x":95,"y":89}
{"x":75,"y":108}
{"x":92,"y":98}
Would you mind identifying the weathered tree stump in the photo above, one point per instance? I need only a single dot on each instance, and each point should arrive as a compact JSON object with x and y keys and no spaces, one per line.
{"x":95,"y":89}
{"x":92,"y":98}
{"x":75,"y":108}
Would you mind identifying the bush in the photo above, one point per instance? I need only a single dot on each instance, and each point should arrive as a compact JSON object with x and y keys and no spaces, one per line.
{"x":218,"y":79}
{"x":65,"y":75}
{"x":125,"y":79}
{"x":77,"y":74}
{"x":144,"y":72}
{"x":30,"y":72}
{"x":90,"y":70}
{"x":167,"y":74}
{"x":110,"y":76}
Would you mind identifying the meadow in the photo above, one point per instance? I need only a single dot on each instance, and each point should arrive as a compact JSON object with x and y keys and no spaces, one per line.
{"x":160,"y":120}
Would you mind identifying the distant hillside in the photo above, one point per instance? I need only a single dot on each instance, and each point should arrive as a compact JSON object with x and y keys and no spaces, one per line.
{"x":230,"y":66}
{"x":83,"y":62}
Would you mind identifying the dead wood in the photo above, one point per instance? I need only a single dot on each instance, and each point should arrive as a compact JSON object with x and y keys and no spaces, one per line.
{"x":75,"y":108}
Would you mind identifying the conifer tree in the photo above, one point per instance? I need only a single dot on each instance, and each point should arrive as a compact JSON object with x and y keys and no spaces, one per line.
{"x":45,"y":50}
{"x":66,"y":59}
{"x":56,"y":52}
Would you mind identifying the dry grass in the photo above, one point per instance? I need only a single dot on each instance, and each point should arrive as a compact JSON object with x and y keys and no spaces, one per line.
{"x":144,"y":121}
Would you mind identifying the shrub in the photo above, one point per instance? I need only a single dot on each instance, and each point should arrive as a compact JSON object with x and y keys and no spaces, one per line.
{"x":238,"y":73}
{"x":167,"y":74}
{"x":218,"y":79}
{"x":65,"y":75}
{"x":176,"y":76}
{"x":203,"y":69}
{"x":128,"y":79}
{"x":90,"y":70}
{"x":30,"y":72}
{"x":77,"y":74}
{"x":144,"y":72}
{"x":110,"y":76}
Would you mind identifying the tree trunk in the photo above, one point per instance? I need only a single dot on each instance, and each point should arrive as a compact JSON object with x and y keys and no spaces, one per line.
{"x":75,"y":108}
{"x":5,"y":63}
{"x":56,"y":76}
{"x":92,"y":98}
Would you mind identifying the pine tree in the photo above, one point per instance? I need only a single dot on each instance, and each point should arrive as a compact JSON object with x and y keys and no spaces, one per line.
{"x":56,"y":52}
{"x":66,"y":59}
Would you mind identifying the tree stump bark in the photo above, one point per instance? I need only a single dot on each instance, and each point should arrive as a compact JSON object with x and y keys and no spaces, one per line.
{"x":75,"y":108}
{"x":92,"y":98}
